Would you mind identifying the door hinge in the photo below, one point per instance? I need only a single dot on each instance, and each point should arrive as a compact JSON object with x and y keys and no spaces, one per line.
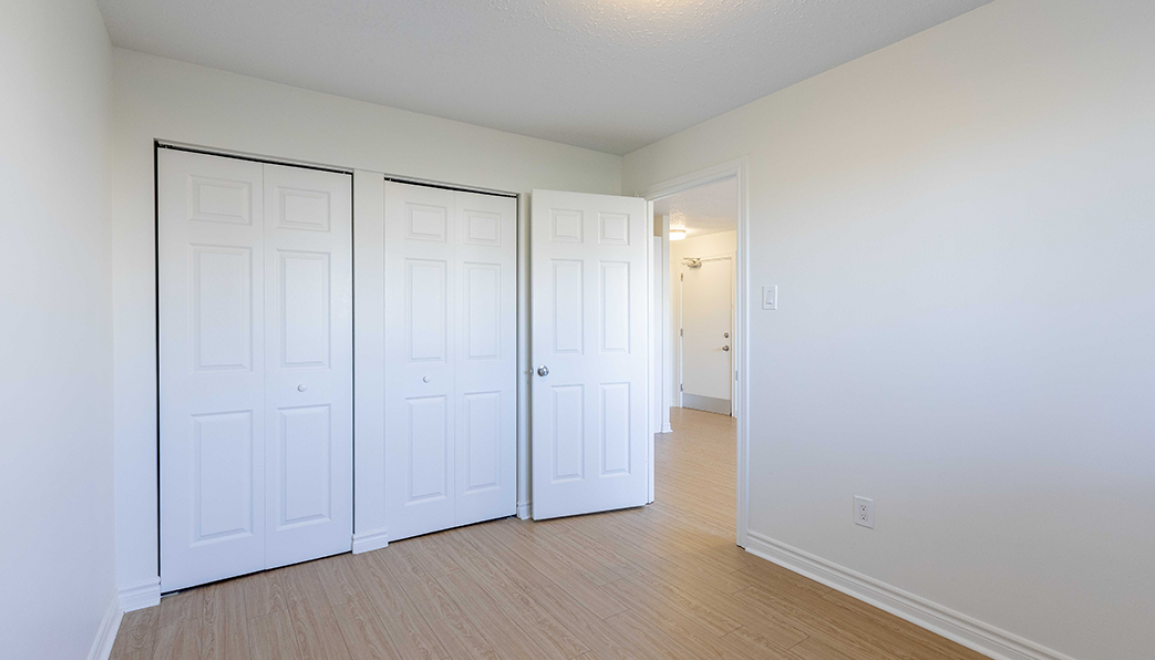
{"x":681,"y":387}
{"x":681,"y":332}
{"x":682,"y":277}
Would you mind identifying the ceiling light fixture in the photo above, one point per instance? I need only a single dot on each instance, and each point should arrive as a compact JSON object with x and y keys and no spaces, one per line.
{"x":677,"y":234}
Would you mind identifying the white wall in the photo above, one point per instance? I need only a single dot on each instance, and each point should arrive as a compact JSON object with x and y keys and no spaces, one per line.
{"x":962,"y":227}
{"x":56,"y":487}
{"x":711,"y":245}
{"x":156,"y":98}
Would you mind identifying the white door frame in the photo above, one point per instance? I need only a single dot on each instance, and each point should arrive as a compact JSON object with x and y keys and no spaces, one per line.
{"x":738,"y":170}
{"x":679,"y":343}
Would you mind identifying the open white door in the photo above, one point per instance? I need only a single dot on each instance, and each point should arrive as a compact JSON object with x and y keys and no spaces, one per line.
{"x":590,"y":352}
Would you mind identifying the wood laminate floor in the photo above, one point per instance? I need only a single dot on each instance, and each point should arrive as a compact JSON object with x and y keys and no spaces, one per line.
{"x":663,"y":581}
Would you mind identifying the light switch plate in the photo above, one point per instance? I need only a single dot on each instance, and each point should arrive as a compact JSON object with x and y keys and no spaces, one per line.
{"x":770,"y":297}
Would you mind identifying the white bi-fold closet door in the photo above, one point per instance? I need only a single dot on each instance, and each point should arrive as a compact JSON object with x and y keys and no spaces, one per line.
{"x":450,"y":359}
{"x":255,"y":320}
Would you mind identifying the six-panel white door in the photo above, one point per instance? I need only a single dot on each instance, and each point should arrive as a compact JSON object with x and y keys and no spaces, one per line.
{"x":450,"y":358}
{"x":590,"y":344}
{"x":255,"y":313}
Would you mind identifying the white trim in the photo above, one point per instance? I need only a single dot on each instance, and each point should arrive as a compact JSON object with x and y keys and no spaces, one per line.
{"x":523,"y":510}
{"x":140,"y":596}
{"x":106,"y":633}
{"x":370,"y":541}
{"x":974,"y":634}
{"x":738,"y":169}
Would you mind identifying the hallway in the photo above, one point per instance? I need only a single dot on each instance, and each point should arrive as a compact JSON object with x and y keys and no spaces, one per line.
{"x":663,"y":581}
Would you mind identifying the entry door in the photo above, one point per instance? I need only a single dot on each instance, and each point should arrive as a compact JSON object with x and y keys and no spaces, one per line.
{"x":255,"y":312}
{"x":707,"y":336}
{"x":590,"y":347}
{"x":450,"y":358}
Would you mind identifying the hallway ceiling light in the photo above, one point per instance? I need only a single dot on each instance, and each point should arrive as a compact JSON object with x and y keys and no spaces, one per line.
{"x":677,"y":234}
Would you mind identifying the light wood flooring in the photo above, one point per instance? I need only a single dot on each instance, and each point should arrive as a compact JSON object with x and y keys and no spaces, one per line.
{"x":663,"y":581}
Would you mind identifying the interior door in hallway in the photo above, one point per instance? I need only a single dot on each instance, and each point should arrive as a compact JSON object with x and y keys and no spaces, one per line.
{"x":255,"y":321}
{"x":590,"y":352}
{"x":707,"y":339}
{"x":450,"y":358}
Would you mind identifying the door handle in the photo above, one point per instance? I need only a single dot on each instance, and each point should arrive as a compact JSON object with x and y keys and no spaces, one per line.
{"x":543,"y":370}
{"x":726,"y":347}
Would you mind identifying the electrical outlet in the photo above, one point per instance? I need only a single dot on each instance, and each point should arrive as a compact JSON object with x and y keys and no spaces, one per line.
{"x":864,"y":511}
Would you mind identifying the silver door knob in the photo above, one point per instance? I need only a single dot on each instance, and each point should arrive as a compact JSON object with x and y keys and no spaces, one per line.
{"x":726,"y":348}
{"x":302,"y":387}
{"x":543,"y":371}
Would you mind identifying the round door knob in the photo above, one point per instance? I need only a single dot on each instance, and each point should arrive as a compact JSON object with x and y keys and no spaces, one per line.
{"x":425,"y":379}
{"x":726,"y":335}
{"x":302,"y":387}
{"x":543,"y":371}
{"x":726,"y":348}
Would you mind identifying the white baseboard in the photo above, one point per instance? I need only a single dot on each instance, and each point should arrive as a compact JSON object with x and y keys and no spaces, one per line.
{"x":370,"y":541}
{"x":523,"y":510}
{"x":971,"y":633}
{"x":140,"y":596}
{"x":106,"y":634}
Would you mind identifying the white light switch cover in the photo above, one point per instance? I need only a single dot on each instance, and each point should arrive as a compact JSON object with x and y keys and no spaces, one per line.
{"x":770,"y":297}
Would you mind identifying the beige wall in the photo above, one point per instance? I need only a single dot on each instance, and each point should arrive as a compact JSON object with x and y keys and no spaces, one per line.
{"x":57,"y":582}
{"x":961,"y":227}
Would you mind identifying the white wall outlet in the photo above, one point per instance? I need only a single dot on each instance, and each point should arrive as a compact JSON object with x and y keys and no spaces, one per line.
{"x":864,"y":511}
{"x":770,"y":297}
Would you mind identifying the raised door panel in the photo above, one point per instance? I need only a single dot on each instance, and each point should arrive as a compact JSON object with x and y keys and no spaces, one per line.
{"x":614,"y":427}
{"x":614,"y":307}
{"x":303,"y":484}
{"x":482,"y":442}
{"x":306,"y":309}
{"x":212,"y":425}
{"x":222,"y":307}
{"x":568,"y":301}
{"x":567,"y":433}
{"x":224,"y":481}
{"x":427,"y":444}
{"x":426,"y":313}
{"x":483,"y":312}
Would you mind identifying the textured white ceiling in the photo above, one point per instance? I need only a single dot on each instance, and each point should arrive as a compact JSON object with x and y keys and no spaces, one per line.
{"x":611,"y":75}
{"x":707,"y":209}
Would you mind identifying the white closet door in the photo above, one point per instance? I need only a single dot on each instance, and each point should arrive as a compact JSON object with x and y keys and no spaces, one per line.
{"x":590,"y":352}
{"x":308,"y":364}
{"x":251,"y":258}
{"x":450,"y":358}
{"x":212,"y":362}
